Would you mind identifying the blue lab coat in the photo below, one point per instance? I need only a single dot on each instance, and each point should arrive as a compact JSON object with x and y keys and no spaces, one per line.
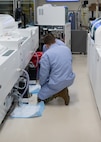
{"x":55,"y":70}
{"x":58,"y":41}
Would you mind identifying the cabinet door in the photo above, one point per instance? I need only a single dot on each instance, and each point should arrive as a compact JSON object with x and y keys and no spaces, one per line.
{"x":98,"y":82}
{"x":88,"y":52}
{"x":94,"y":68}
{"x":92,"y":64}
{"x":79,"y":41}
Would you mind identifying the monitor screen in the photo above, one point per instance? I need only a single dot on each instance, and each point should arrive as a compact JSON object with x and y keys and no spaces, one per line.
{"x":62,"y":0}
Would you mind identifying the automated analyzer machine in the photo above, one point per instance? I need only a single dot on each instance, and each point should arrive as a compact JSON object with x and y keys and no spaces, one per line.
{"x":17,"y":47}
{"x":9,"y":62}
{"x":54,"y":15}
{"x":94,"y":59}
{"x":94,"y":45}
{"x":54,"y":19}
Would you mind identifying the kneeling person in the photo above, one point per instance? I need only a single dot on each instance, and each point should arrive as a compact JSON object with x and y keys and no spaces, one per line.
{"x":55,"y":73}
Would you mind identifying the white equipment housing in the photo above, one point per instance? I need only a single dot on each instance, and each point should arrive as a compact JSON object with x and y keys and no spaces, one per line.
{"x":25,"y":40}
{"x":17,"y":47}
{"x":53,"y":18}
{"x":52,"y":15}
{"x":95,"y":32}
{"x":9,"y":62}
{"x":94,"y":60}
{"x":7,"y":22}
{"x":57,"y":31}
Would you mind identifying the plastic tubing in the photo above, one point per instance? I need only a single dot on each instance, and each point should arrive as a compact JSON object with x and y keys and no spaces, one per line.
{"x":27,"y":85}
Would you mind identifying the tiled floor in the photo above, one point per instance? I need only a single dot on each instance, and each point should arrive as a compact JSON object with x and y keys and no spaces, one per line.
{"x":78,"y":122}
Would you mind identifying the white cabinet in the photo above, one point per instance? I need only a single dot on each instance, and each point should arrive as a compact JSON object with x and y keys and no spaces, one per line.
{"x":98,"y":81}
{"x":94,"y":69}
{"x":92,"y":62}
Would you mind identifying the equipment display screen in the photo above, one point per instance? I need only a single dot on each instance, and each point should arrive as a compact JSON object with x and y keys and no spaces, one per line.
{"x":62,"y":0}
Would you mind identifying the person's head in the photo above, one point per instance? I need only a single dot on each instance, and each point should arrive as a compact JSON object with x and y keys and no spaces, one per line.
{"x":49,"y":39}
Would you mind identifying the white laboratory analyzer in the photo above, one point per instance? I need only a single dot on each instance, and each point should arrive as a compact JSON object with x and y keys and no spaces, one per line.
{"x":54,"y":19}
{"x":17,"y":46}
{"x":52,"y":15}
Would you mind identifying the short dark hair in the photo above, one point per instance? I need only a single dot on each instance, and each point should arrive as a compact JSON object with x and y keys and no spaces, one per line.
{"x":49,"y":39}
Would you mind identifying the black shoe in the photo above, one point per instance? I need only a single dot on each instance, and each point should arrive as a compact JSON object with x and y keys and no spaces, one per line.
{"x":39,"y":100}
